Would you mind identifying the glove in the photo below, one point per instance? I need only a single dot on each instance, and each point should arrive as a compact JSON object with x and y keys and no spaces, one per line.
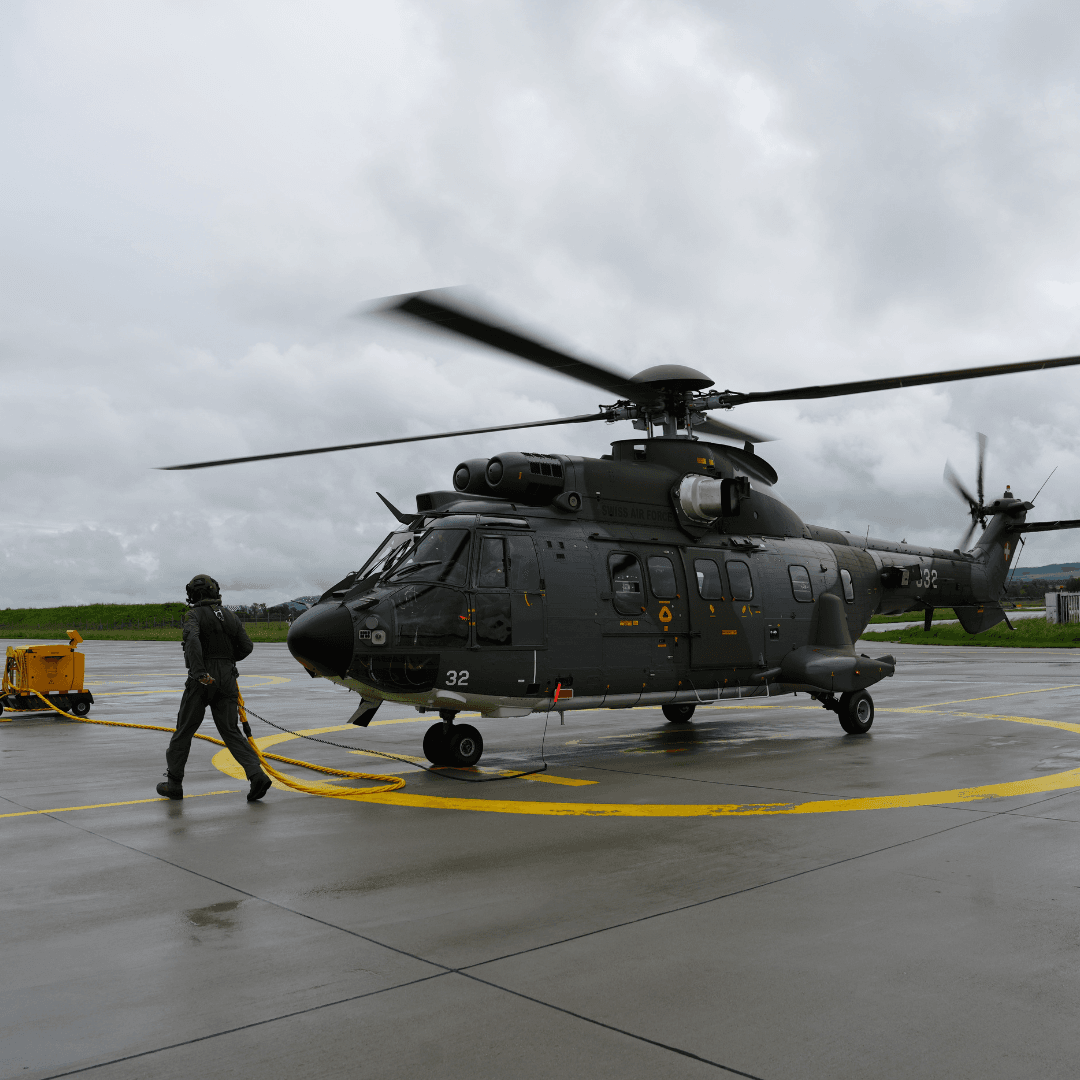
{"x":206,"y":680}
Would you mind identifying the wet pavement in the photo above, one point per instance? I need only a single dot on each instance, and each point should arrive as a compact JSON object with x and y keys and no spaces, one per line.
{"x":752,"y":894}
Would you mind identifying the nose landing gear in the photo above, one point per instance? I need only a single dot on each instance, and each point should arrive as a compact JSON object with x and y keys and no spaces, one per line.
{"x":678,"y":713}
{"x":452,"y":746}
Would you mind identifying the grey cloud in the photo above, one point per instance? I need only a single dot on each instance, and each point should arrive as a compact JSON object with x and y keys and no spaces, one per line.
{"x":197,"y":197}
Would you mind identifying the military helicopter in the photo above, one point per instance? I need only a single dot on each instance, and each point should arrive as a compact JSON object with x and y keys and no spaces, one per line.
{"x":663,"y":573}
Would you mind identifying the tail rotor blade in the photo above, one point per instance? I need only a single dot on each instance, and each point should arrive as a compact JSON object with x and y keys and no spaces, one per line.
{"x":957,"y":485}
{"x":965,"y":540}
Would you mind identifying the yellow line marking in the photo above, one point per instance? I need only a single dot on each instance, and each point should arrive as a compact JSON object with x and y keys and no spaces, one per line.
{"x":566,"y":781}
{"x":1008,"y":789}
{"x":128,"y":693}
{"x":991,"y":697}
{"x":105,"y":805}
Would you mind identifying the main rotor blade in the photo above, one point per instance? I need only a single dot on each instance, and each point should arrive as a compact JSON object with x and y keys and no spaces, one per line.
{"x":866,"y":386}
{"x":584,"y":419}
{"x":730,"y":431}
{"x":957,"y":485}
{"x":981,"y":467}
{"x":444,"y":309}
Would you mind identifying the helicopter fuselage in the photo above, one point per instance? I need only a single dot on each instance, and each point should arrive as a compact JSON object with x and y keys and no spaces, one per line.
{"x":571,"y":583}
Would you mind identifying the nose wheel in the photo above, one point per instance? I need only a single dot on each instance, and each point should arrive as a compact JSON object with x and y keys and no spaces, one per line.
{"x":678,"y":713}
{"x":453,"y":746}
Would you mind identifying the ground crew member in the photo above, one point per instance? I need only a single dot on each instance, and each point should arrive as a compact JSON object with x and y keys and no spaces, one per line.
{"x":214,"y":640}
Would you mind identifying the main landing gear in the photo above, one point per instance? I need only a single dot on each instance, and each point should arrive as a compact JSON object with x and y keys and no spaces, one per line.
{"x":855,"y":710}
{"x":679,"y":714}
{"x":452,"y":746}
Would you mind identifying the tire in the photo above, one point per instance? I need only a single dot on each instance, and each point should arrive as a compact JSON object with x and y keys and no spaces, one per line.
{"x":435,"y":748}
{"x":679,"y":714}
{"x":466,"y":746}
{"x":856,"y":712}
{"x":80,"y":708}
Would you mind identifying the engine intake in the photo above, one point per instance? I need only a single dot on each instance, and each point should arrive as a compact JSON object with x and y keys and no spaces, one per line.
{"x":530,"y":478}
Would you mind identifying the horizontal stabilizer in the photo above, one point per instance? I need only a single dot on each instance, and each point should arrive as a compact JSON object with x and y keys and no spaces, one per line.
{"x":1045,"y":526}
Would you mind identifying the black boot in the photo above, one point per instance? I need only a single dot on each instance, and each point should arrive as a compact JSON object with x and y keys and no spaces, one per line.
{"x":259,"y":787}
{"x":172,"y":788}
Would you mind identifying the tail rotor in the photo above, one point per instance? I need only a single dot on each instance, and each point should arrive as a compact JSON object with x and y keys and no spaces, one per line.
{"x":976,"y":506}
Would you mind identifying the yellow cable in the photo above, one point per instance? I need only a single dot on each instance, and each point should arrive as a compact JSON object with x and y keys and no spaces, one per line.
{"x":390,"y":783}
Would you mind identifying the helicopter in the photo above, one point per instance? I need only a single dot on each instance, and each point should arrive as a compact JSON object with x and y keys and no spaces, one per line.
{"x":661,"y":574}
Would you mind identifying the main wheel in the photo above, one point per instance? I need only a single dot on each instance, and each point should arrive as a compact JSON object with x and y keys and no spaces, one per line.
{"x":80,"y":707}
{"x":679,"y":714}
{"x":435,"y":748}
{"x":466,"y":746}
{"x":856,"y":712}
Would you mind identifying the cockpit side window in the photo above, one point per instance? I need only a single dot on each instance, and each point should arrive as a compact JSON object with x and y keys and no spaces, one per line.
{"x":628,"y":592}
{"x":492,"y":572}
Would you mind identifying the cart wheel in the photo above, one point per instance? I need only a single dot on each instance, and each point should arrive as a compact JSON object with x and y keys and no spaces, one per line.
{"x":79,"y":708}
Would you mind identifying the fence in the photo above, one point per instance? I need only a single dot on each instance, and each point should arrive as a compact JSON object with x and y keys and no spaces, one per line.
{"x":174,"y":623}
{"x":1063,"y":607}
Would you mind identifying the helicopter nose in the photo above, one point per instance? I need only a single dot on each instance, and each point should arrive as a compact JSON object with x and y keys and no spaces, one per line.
{"x":322,"y":638}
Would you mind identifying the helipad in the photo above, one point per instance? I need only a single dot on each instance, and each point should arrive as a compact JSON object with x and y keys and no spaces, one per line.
{"x":756,"y":895}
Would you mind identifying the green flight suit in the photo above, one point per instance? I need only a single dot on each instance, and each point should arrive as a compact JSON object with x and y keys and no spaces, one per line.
{"x":214,"y":640}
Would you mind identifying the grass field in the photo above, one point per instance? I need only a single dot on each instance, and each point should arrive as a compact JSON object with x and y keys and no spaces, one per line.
{"x":113,"y":622}
{"x":915,"y":616}
{"x":1029,"y":634}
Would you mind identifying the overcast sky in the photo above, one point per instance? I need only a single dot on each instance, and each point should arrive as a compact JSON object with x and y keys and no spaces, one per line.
{"x":196,"y":196}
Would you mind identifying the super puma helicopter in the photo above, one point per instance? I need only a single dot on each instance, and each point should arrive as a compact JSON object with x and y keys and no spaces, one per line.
{"x":659,"y":574}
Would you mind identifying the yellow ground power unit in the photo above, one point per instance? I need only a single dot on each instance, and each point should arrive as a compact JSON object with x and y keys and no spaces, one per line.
{"x":53,"y":670}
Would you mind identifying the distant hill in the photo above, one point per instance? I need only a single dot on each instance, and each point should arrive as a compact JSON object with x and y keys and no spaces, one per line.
{"x":1064,"y":571}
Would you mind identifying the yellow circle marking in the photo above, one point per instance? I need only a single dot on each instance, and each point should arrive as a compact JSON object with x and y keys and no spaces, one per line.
{"x":223,"y":760}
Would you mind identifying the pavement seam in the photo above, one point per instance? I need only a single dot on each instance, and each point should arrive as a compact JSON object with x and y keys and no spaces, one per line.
{"x":722,"y":896}
{"x":245,"y":1027}
{"x":243,"y":892}
{"x":983,"y":816}
{"x":612,"y":1027}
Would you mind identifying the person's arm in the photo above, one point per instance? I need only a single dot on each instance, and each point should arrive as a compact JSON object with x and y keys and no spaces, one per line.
{"x":242,"y":644}
{"x":193,"y":654}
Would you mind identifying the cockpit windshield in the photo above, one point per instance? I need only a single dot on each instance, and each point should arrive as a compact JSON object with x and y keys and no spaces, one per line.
{"x":383,"y":554}
{"x":435,"y":555}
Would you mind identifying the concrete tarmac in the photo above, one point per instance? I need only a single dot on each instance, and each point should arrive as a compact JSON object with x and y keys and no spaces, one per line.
{"x":753,"y":894}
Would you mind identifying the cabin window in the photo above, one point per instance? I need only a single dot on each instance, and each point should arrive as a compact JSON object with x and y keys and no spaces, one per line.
{"x":662,"y":577}
{"x":626,"y":586}
{"x":849,"y":589}
{"x":742,"y":585}
{"x":492,"y":563}
{"x":801,"y":588}
{"x":709,"y":585}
